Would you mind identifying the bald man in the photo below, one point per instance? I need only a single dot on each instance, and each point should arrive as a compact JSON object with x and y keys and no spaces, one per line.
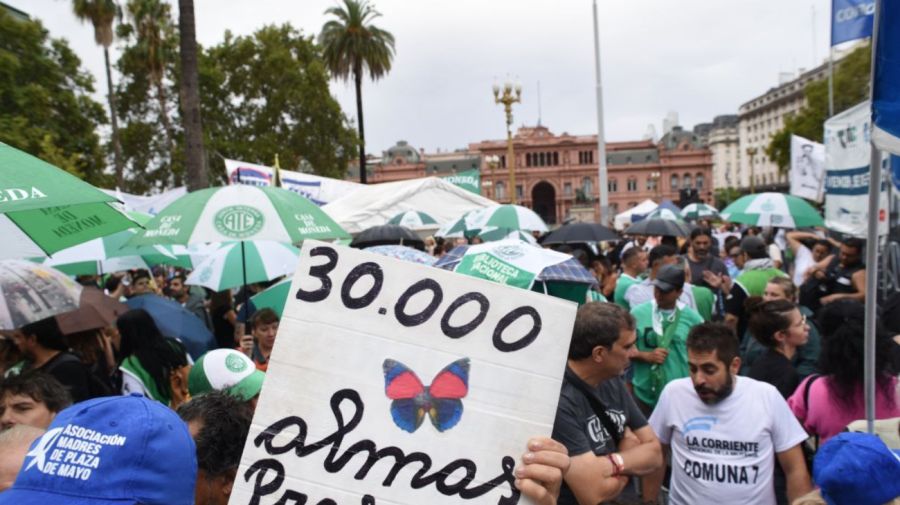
{"x":14,"y":444}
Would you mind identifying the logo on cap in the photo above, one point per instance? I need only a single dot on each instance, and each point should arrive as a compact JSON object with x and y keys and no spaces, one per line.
{"x":235,"y":363}
{"x":238,"y":221}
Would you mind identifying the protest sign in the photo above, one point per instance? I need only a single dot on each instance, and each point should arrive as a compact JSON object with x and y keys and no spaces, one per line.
{"x":847,"y":158}
{"x":807,"y":168}
{"x":392,"y":382}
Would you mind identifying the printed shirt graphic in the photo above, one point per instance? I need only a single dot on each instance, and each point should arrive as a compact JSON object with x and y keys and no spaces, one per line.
{"x":724,"y":453}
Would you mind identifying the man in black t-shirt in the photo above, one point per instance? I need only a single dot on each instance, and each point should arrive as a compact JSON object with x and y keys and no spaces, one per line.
{"x":45,"y":349}
{"x":597,"y":420}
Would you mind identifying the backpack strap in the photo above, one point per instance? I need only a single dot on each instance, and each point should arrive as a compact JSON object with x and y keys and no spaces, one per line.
{"x":598,"y":408}
{"x":812,"y":378}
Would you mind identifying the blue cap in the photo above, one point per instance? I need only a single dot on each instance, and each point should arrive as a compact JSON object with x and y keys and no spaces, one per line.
{"x":113,"y":450}
{"x":857,"y":468}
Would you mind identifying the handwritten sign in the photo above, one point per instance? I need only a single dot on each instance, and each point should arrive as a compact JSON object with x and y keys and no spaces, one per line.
{"x":392,"y":382}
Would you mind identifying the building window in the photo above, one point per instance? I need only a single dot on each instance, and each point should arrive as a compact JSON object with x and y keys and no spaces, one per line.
{"x":567,"y":189}
{"x":687,"y":181}
{"x":651,"y":183}
{"x":520,"y":192}
{"x":673,"y":182}
{"x":556,"y":158}
{"x":699,"y":180}
{"x":499,"y":191}
{"x":527,"y":159}
{"x":587,"y":187}
{"x":502,"y":161}
{"x":541,"y":160}
{"x":632,"y":184}
{"x":585,"y":157}
{"x":613,"y":185}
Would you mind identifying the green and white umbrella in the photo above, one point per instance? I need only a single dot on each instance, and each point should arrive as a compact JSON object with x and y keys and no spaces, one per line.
{"x":274,"y":297}
{"x":697,"y":211}
{"x":464,"y":226}
{"x":509,"y":217}
{"x":108,"y":254}
{"x":236,"y":264}
{"x":773,"y":209}
{"x":414,"y":220}
{"x":44,"y":209}
{"x":239,"y":212}
{"x":494,"y":234}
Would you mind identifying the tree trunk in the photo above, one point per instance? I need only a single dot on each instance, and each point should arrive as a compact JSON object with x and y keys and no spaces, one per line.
{"x":114,"y":121}
{"x":195,"y":167}
{"x":357,"y":77}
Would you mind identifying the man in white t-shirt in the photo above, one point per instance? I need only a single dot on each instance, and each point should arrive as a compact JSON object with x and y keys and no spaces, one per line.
{"x":725,"y":431}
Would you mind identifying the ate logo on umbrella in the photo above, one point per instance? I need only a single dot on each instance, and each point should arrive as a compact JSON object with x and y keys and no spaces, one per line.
{"x":238,"y":221}
{"x":509,"y":252}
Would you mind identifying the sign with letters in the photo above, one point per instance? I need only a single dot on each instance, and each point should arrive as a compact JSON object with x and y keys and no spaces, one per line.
{"x":393,"y":382}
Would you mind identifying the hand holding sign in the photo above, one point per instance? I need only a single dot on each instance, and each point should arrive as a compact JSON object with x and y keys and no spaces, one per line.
{"x":368,"y":348}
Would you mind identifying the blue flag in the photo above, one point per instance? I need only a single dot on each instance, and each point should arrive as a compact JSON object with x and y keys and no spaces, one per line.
{"x":851,"y":20}
{"x":886,"y":85}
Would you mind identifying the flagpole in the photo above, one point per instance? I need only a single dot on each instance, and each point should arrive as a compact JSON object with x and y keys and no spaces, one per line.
{"x":601,"y":140}
{"x":875,"y":170}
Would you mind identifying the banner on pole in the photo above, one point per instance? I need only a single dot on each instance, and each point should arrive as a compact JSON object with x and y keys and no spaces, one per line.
{"x":886,"y":85}
{"x":469,"y":180}
{"x":319,"y":190}
{"x":847,"y":157}
{"x":851,"y":20}
{"x":392,"y":382}
{"x":807,"y":168}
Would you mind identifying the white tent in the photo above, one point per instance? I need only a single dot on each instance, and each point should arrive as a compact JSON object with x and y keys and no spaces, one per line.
{"x":373,"y":205}
{"x":149,"y":204}
{"x":624,"y":219}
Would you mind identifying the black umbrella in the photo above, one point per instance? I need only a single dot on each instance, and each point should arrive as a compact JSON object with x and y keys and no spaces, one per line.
{"x":665,"y":227}
{"x":388,"y":234}
{"x":580,"y":232}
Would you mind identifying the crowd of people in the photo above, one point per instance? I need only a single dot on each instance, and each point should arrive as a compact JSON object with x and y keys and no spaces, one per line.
{"x":719,"y":367}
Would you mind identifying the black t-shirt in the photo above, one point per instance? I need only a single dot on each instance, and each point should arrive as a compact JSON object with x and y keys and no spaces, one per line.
{"x":712,"y":264}
{"x":776,"y":369}
{"x":222,"y":327}
{"x":580,"y":430}
{"x":734,"y":305}
{"x":71,"y":373}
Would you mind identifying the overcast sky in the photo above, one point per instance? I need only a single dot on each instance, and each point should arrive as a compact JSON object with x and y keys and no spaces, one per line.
{"x":700,"y":58}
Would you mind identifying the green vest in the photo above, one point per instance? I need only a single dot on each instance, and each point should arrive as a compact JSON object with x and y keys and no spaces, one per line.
{"x":624,"y":282}
{"x":754,"y":281}
{"x":676,"y":365}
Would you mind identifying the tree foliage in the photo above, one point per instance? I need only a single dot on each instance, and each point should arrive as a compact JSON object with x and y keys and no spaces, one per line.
{"x":851,"y":86}
{"x":45,"y":103}
{"x":267,"y":94}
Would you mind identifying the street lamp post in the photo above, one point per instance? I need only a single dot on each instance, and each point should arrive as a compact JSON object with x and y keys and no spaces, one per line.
{"x":512,"y":93}
{"x":751,"y":151}
{"x":655,"y":177}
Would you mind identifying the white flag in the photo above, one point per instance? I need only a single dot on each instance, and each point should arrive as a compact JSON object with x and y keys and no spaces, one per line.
{"x":807,"y":168}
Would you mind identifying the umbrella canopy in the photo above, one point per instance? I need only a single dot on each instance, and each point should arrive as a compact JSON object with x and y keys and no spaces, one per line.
{"x":461,"y":227}
{"x":661,"y":222}
{"x":30,"y":292}
{"x":509,"y":217}
{"x":175,"y":321}
{"x":274,"y":297}
{"x":402,"y":252}
{"x":239,"y":212}
{"x":260,"y":260}
{"x":529,"y":263}
{"x":493,"y":234}
{"x":96,"y":310}
{"x":388,"y":234}
{"x":108,"y":254}
{"x":773,"y":209}
{"x":580,"y":233}
{"x":697,"y":211}
{"x":414,"y":220}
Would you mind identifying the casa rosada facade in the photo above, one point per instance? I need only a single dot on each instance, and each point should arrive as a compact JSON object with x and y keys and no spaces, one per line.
{"x":556,"y":175}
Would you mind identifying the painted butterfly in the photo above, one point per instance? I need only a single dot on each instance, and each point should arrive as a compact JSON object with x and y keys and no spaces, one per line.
{"x":441,"y":401}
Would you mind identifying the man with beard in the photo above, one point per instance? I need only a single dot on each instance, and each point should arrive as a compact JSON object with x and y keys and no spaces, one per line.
{"x":725,"y":431}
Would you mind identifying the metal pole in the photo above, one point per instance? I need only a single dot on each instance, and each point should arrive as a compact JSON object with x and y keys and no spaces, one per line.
{"x":601,"y":141}
{"x":872,"y":253}
{"x":510,"y":156}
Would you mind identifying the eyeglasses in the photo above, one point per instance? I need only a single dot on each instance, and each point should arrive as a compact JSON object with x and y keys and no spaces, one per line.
{"x":802,"y":321}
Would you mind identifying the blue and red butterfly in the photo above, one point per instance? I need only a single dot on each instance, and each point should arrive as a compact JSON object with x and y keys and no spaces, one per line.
{"x":441,"y":401}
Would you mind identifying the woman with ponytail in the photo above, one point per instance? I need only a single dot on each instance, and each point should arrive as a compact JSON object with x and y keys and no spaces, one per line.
{"x":826,"y":404}
{"x":151,"y":364}
{"x":780,"y":327}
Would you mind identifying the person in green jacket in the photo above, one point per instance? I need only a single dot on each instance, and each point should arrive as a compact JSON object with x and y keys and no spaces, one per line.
{"x":662,"y":329}
{"x":634,"y":264}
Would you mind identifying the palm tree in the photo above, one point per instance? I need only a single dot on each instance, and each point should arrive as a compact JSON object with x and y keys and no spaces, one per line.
{"x":351,"y":44}
{"x":190,"y":98}
{"x":152,"y":23}
{"x":102,"y":13}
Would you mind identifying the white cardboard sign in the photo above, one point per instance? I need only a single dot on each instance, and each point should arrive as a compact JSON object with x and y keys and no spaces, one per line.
{"x":473,"y":370}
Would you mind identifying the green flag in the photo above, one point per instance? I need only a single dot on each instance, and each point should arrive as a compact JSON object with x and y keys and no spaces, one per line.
{"x":469,"y":180}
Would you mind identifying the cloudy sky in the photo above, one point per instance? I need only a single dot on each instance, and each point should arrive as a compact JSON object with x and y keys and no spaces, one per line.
{"x":699,"y":58}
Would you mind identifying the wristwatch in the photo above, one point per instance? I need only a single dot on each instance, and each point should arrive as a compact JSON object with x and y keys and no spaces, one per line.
{"x":618,"y":463}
